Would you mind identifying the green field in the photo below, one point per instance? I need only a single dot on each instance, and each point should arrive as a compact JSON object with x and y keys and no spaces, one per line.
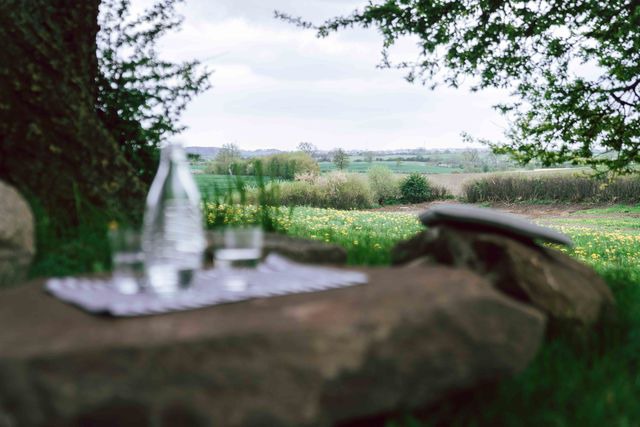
{"x":404,"y":167}
{"x":615,"y":209}
{"x":601,"y":239}
{"x":367,"y":236}
{"x":210,"y":184}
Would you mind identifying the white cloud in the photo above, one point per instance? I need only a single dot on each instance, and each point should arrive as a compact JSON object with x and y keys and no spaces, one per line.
{"x":276,"y":85}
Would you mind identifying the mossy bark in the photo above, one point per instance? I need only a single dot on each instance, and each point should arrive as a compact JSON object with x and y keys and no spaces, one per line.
{"x":53,"y":146}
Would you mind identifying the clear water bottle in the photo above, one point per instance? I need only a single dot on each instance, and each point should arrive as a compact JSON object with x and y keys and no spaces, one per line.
{"x":173,"y":239}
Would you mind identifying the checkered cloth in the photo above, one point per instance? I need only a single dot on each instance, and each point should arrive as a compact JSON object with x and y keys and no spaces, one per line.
{"x":276,"y":276}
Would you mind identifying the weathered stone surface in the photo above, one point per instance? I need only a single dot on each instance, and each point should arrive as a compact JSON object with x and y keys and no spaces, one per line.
{"x":490,"y":220}
{"x":294,"y":248}
{"x":569,"y":292}
{"x":402,"y":341}
{"x":305,"y":250}
{"x":17,"y":241}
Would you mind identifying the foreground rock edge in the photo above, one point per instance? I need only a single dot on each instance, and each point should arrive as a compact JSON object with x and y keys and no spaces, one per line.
{"x":570,"y":293}
{"x":401,"y":342}
{"x":17,"y":236}
{"x":295,"y":248}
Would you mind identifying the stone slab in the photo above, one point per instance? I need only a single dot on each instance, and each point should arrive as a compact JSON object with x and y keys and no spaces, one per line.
{"x":405,"y":340}
{"x":295,"y":248}
{"x":485,"y":219}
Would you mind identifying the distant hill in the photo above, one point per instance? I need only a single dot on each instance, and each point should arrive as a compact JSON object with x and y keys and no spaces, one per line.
{"x":211,"y":152}
{"x":204,"y":152}
{"x":261,"y":152}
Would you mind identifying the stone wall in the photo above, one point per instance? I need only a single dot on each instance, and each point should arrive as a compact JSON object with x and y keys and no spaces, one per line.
{"x":406,"y":339}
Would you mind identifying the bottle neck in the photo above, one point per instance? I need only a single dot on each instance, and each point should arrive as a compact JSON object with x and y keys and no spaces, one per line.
{"x":173,"y":154}
{"x":175,"y":175}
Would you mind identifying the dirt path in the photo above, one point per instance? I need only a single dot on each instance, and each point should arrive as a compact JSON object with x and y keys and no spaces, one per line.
{"x":530,"y":211}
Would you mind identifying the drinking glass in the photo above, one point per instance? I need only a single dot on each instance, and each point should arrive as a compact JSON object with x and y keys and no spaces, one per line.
{"x":241,"y":248}
{"x":127,"y":259}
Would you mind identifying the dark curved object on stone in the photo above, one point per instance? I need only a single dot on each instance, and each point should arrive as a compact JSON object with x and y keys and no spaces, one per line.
{"x":491,"y":220}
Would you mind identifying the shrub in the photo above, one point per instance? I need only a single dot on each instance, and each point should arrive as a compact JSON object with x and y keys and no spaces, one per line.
{"x":384,"y":184}
{"x":439,"y":192}
{"x":563,"y":188}
{"x":346,"y":191}
{"x":300,"y":193}
{"x":337,"y":190}
{"x":288,"y":165}
{"x":415,"y":189}
{"x":306,"y":177}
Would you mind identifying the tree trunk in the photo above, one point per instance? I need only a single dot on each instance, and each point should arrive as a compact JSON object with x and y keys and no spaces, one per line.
{"x":53,"y":146}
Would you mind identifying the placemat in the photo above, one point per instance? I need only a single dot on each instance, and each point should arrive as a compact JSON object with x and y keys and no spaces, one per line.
{"x":275,"y":276}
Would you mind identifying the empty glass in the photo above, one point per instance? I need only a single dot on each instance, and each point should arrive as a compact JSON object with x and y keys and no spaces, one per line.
{"x":127,"y":259}
{"x":240,"y":248}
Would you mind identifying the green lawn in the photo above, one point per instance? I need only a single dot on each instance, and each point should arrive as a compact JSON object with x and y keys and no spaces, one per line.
{"x":606,"y":242}
{"x":367,"y":236}
{"x":210,"y":184}
{"x":597,"y":223}
{"x":615,"y":209}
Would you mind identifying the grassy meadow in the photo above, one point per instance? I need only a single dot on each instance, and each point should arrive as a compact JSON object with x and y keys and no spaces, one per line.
{"x":608,"y":239}
{"x":590,"y":382}
{"x":367,"y":236}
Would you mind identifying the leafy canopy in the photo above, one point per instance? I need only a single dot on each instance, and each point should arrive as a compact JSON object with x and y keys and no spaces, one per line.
{"x":308,"y":148}
{"x":573,"y":68}
{"x":141,"y":97}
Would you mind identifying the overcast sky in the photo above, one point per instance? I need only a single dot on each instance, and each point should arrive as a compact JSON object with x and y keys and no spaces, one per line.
{"x":275,"y":85}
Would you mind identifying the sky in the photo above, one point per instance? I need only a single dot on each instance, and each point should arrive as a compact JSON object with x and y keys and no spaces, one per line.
{"x":276,"y":85}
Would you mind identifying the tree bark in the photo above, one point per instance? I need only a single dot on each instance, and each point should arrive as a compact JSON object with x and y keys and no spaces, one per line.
{"x":53,"y":147}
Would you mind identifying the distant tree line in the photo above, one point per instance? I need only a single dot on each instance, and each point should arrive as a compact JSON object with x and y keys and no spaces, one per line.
{"x":229,"y":161}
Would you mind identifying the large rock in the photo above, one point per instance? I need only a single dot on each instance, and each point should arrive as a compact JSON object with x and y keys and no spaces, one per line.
{"x":305,"y":250}
{"x":406,"y":339}
{"x":569,"y":292}
{"x":17,"y":241}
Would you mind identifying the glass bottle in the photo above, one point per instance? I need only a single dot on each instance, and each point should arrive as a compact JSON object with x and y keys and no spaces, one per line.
{"x":173,"y":237}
